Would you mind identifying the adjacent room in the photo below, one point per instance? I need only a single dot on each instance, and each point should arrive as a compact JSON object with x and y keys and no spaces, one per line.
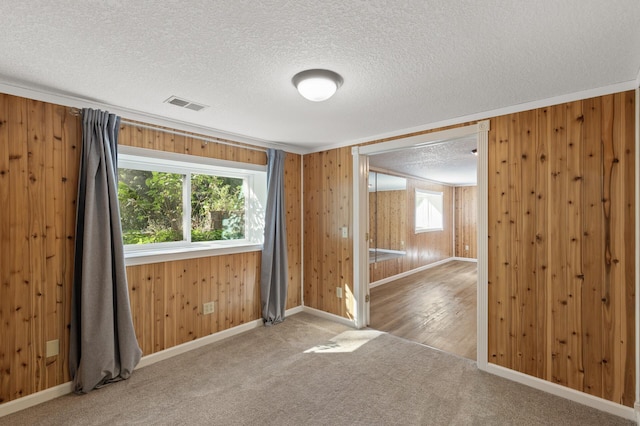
{"x":310,"y":212}
{"x":422,"y":244}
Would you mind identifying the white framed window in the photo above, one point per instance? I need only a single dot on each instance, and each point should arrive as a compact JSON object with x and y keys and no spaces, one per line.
{"x":429,"y":211}
{"x":175,"y":206}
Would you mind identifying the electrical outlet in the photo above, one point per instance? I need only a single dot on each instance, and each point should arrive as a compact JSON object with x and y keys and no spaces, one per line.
{"x":466,"y":248}
{"x":53,"y":348}
{"x":339,"y":292}
{"x":208,"y":308}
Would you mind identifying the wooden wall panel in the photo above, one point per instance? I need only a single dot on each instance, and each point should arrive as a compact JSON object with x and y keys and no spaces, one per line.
{"x":388,"y":219}
{"x":39,"y":160}
{"x":327,"y":208}
{"x":561,"y":242}
{"x":167,"y":298}
{"x":38,"y":185}
{"x":232,"y":282}
{"x":575,"y":268}
{"x":561,"y":283}
{"x":7,"y":331}
{"x":293,"y":203}
{"x":422,"y":248}
{"x":466,"y":220}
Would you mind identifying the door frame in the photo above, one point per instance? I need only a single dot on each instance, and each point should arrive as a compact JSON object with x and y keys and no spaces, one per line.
{"x":361,"y":221}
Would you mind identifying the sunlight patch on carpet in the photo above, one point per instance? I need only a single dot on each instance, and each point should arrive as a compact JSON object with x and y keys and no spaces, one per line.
{"x":348,"y":341}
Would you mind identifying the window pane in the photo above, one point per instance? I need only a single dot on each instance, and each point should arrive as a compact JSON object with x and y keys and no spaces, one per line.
{"x":217,"y":208}
{"x":150,"y":206}
{"x":429,"y":211}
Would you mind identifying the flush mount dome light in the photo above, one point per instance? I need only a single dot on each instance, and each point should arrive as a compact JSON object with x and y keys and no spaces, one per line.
{"x":317,"y":85}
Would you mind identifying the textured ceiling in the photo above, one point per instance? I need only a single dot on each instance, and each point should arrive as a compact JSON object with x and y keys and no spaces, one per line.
{"x":404,"y":64}
{"x":449,"y":162}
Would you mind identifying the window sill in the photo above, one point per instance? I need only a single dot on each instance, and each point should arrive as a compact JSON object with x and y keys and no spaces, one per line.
{"x":143,"y":257}
{"x":422,"y":231}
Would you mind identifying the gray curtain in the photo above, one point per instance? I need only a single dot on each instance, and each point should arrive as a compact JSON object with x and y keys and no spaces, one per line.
{"x":273,"y":272}
{"x":103,"y":346}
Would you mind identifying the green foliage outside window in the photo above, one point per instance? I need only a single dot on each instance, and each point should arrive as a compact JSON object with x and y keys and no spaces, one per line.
{"x":151,"y":207}
{"x":217,"y":208}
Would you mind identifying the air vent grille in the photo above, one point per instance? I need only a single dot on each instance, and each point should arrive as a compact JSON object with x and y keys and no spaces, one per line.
{"x":183,"y":103}
{"x":195,"y":107}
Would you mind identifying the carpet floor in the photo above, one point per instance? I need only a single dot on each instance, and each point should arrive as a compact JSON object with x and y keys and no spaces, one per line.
{"x":311,"y":371}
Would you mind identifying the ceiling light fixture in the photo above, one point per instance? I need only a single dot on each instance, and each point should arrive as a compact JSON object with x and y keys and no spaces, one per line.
{"x":317,"y":85}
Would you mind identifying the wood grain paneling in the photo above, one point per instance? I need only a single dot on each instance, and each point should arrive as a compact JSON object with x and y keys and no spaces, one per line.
{"x":38,"y":185}
{"x":561,"y":245}
{"x":466,"y":230}
{"x":167,"y":298}
{"x":39,"y":159}
{"x":388,"y":219}
{"x":422,"y":248}
{"x":561,"y":242}
{"x":327,"y":208}
{"x":561,"y":266}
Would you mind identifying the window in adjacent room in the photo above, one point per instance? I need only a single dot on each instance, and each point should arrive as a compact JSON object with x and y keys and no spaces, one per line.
{"x":429,"y":211}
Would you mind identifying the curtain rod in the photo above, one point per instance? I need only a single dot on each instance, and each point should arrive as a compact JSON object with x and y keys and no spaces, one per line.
{"x":78,"y":112}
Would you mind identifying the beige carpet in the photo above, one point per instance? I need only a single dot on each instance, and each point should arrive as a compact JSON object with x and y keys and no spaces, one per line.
{"x":310,"y":371}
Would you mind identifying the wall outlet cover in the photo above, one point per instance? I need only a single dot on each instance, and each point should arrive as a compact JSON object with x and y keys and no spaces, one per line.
{"x":53,"y":348}
{"x":208,"y":308}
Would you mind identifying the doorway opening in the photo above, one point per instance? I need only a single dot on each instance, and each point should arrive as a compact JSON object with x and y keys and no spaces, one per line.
{"x":361,"y":168}
{"x":422,"y":244}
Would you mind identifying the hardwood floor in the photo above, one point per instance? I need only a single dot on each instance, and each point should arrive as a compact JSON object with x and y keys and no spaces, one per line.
{"x":436,"y":307}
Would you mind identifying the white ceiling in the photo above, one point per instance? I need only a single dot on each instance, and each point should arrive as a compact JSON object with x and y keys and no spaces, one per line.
{"x":450,"y":162}
{"x":405,"y":64}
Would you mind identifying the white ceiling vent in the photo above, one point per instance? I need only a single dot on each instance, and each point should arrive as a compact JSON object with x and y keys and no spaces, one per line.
{"x":183,"y":103}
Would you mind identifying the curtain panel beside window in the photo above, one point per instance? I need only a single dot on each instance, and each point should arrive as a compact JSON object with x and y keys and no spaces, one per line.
{"x":103,"y":345}
{"x":274,"y":268}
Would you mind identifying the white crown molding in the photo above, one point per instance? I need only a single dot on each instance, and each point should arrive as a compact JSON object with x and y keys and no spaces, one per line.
{"x":50,"y":96}
{"x":130,"y":114}
{"x":585,"y":94}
